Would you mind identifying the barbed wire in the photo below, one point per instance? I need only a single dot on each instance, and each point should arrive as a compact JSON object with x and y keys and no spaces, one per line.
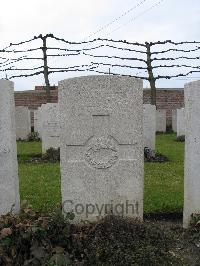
{"x":23,"y":42}
{"x":132,"y":51}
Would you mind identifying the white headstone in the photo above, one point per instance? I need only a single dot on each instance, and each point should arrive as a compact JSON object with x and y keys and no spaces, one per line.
{"x":174,"y":120}
{"x":9,"y":183}
{"x":23,"y":122}
{"x":161,"y":120}
{"x":180,"y":122}
{"x":192,"y":152}
{"x":102,"y":155}
{"x":149,"y":126}
{"x":37,"y":122}
{"x":50,"y":124}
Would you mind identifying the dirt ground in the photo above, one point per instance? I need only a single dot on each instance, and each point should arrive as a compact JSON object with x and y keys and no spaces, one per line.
{"x":32,"y":239}
{"x":186,"y":242}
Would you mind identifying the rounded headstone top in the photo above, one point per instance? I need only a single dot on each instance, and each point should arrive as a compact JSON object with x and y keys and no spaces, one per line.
{"x":195,"y":83}
{"x":101,"y":78}
{"x":6,"y":84}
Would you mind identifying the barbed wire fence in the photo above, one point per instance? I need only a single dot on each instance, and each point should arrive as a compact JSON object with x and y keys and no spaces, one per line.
{"x":149,"y":61}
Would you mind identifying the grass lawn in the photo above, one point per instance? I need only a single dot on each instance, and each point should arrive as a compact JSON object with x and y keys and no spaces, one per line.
{"x":163,"y":186}
{"x":40,"y":182}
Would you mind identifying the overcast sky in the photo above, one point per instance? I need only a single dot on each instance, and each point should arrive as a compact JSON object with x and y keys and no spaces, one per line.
{"x":75,"y":20}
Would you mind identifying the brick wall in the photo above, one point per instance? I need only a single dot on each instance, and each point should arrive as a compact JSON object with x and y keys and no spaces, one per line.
{"x":168,"y":99}
{"x":34,"y":98}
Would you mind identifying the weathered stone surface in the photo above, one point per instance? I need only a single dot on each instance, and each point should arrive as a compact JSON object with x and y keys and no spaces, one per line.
{"x":37,"y":122}
{"x":180,"y":122}
{"x":9,"y":183}
{"x":50,"y":126}
{"x":23,"y":122}
{"x":101,"y":146}
{"x":161,"y":120}
{"x":149,"y":126}
{"x":192,"y":151}
{"x":174,"y":120}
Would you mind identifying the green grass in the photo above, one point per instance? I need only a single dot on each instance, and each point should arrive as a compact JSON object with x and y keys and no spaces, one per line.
{"x":40,"y":185}
{"x":163,"y":184}
{"x":27,"y":149}
{"x":163,"y":192}
{"x":39,"y":182}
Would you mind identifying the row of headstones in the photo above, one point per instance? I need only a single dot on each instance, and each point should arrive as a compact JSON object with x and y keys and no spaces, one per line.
{"x":101,"y":141}
{"x":178,"y":121}
{"x":46,"y":123}
{"x":46,"y":119}
{"x":23,"y":122}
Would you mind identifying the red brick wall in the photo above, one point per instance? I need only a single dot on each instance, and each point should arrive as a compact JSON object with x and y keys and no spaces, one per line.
{"x":168,"y":99}
{"x":35,"y":98}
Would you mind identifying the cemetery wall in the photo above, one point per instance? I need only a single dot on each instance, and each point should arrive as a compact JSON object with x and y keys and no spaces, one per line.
{"x":167,"y":99}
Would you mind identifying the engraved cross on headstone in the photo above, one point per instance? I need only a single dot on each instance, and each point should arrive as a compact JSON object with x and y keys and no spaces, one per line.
{"x":101,"y":150}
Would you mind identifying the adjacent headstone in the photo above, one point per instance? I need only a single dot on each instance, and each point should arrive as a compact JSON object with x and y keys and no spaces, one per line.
{"x":9,"y":183}
{"x":50,"y":126}
{"x":180,"y":122}
{"x":23,"y":122}
{"x":102,"y":155}
{"x":192,"y":152}
{"x":161,"y":120}
{"x":37,"y":122}
{"x":174,"y":120}
{"x":149,"y":126}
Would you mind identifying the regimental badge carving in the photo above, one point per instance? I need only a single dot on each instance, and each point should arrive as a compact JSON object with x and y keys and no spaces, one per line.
{"x":102,"y":152}
{"x":4,"y":150}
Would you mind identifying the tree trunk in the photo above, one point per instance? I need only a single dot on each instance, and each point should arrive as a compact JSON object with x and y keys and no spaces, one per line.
{"x":46,"y":71}
{"x":151,"y":78}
